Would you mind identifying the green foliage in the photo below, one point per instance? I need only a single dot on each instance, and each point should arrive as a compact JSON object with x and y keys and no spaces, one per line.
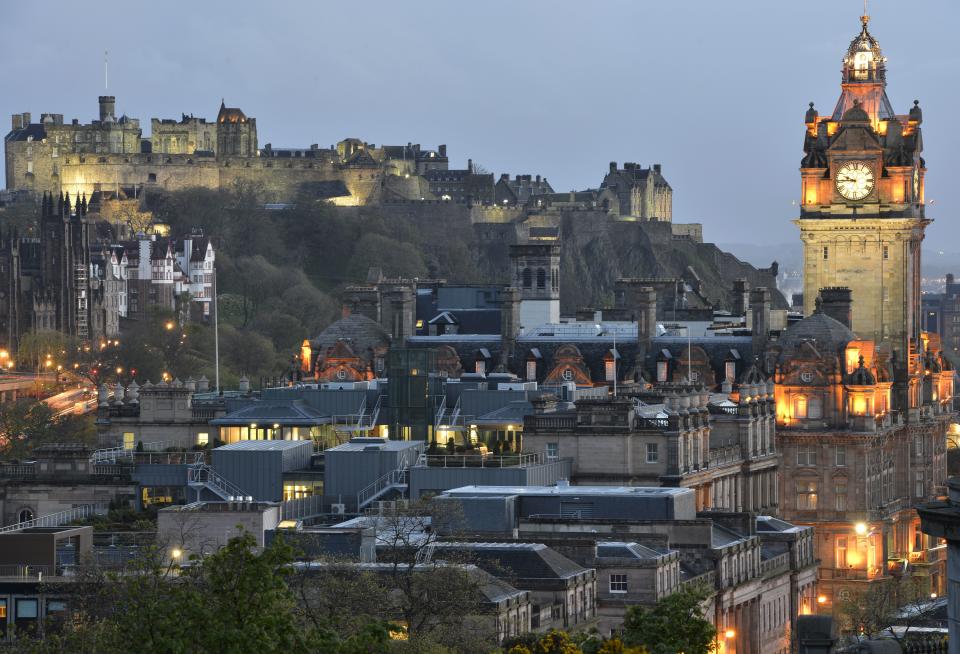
{"x":27,"y":424}
{"x":675,"y":624}
{"x":235,"y":601}
{"x":559,"y":642}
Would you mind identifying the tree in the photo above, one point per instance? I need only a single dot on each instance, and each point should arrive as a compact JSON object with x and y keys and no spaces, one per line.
{"x":674,"y":624}
{"x":236,"y":600}
{"x":27,"y":424}
{"x":559,"y":642}
{"x":901,"y":601}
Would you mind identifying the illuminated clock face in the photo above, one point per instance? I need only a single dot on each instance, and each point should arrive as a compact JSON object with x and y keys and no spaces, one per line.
{"x":855,"y":180}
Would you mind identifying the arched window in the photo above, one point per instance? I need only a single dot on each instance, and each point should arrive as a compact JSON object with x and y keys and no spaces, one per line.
{"x":541,"y":278}
{"x":527,"y":278}
{"x":25,"y":515}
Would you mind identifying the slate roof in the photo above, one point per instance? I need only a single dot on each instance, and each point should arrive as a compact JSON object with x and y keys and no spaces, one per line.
{"x":294,"y":413}
{"x":35,"y":130}
{"x":828,"y":334}
{"x":359,"y":331}
{"x":622,"y":550}
{"x":519,"y":560}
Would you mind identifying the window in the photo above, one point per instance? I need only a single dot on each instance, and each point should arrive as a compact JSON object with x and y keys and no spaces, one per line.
{"x":886,"y":251}
{"x":840,"y":560}
{"x":527,"y":278}
{"x":841,"y":455}
{"x":800,"y":407}
{"x":806,"y":455}
{"x":25,"y":515}
{"x":919,"y":485}
{"x":653,"y":452}
{"x":541,"y":278}
{"x":610,"y":370}
{"x":553,"y":450}
{"x":203,"y":438}
{"x":840,"y":496}
{"x":129,"y":440}
{"x":26,"y":617}
{"x":3,"y":618}
{"x":806,"y":495}
{"x":826,"y":253}
{"x":481,"y":368}
{"x":618,"y":583}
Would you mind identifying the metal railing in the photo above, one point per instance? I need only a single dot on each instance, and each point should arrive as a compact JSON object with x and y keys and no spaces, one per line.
{"x":58,"y":519}
{"x":112,"y":454}
{"x":482,"y":461}
{"x":302,"y":507}
{"x":393,"y":479}
{"x":24,"y":571}
{"x":203,"y":476}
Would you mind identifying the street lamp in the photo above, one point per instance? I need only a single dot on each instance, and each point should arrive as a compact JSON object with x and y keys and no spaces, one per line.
{"x":860,"y":528}
{"x":176,"y":553}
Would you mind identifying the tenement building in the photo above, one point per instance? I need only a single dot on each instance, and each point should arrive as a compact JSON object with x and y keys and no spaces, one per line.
{"x":863,"y":395}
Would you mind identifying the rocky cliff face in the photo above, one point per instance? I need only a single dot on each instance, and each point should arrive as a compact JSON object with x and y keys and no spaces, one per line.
{"x":598,"y":250}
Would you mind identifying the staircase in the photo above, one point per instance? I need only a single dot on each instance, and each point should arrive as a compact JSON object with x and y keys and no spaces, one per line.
{"x":395,"y":480}
{"x":357,"y":424}
{"x":200,"y":476}
{"x":59,"y":518}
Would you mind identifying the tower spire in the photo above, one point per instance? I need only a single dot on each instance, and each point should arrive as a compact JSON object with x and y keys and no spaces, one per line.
{"x":865,"y":18}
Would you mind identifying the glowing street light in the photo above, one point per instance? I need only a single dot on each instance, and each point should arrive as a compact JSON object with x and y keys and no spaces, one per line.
{"x":176,"y":553}
{"x":729,"y":634}
{"x":169,"y":325}
{"x":860,"y":528}
{"x":821,"y":599}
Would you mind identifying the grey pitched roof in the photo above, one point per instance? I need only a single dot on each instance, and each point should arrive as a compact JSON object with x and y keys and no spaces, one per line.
{"x":360,"y":332}
{"x":293,"y":413}
{"x":519,"y":560}
{"x":827,"y":334}
{"x":622,"y":550}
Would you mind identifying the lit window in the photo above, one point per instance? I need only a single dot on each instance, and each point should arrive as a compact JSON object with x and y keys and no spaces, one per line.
{"x":203,"y":438}
{"x":730,"y":370}
{"x":806,"y":495}
{"x":618,"y":583}
{"x":129,"y":440}
{"x":661,"y":371}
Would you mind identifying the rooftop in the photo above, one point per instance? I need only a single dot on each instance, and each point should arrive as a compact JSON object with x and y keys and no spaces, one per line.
{"x":263,"y":446}
{"x":383,"y":444}
{"x":642,"y":491}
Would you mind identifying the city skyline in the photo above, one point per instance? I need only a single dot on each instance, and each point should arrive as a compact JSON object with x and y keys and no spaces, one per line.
{"x":508,"y":95}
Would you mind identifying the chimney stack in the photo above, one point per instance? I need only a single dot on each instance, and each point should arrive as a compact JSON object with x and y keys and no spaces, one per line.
{"x":613,"y":166}
{"x":760,"y":314}
{"x":837,"y":302}
{"x":17,"y":122}
{"x":509,"y":324}
{"x":741,"y":297}
{"x":442,"y":150}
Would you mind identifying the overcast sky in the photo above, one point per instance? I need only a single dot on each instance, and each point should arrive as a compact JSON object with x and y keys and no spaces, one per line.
{"x":714,"y":90}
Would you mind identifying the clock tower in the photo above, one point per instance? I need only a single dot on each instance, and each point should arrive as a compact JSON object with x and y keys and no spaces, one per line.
{"x":862,"y":201}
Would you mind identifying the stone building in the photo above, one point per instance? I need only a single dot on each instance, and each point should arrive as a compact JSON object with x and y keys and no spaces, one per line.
{"x":862,"y":216}
{"x":60,"y":478}
{"x":641,"y":193}
{"x":864,"y":396}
